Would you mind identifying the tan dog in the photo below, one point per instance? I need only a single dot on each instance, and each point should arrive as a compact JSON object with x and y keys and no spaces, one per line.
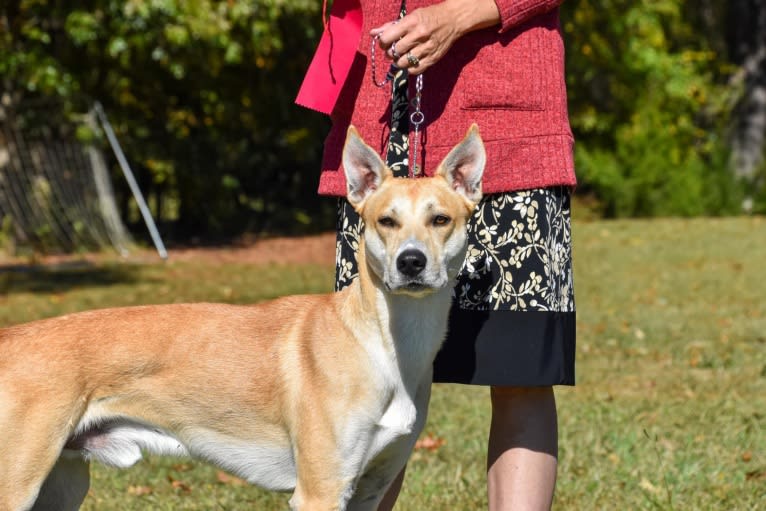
{"x":323,"y":394}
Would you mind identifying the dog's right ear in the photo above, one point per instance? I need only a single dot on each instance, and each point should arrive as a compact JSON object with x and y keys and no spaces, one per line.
{"x":364,"y":169}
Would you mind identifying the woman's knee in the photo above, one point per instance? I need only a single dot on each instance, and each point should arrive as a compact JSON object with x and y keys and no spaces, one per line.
{"x":524,"y":417}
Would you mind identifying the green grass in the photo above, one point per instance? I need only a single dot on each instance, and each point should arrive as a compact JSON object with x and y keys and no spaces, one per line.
{"x":670,"y":408}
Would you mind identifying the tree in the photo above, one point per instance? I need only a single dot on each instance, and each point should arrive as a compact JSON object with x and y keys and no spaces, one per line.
{"x":200,"y":93}
{"x":665,"y":95}
{"x":648,"y":102}
{"x":747,"y":43}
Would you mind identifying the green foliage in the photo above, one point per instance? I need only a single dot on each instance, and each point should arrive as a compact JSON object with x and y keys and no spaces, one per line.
{"x":200,"y":94}
{"x":649,"y":109}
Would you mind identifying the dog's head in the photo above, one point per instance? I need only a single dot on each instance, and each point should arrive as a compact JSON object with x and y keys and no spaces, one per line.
{"x":415,"y":229}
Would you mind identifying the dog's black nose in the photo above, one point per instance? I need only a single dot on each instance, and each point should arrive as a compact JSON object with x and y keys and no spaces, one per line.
{"x":411,"y":262}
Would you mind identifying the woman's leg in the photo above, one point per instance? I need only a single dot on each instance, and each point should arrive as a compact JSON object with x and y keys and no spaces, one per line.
{"x":522,"y":453}
{"x":523,"y":449}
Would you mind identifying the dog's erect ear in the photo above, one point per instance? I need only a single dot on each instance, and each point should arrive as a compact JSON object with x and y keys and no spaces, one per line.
{"x":364,"y":168}
{"x":464,"y":165}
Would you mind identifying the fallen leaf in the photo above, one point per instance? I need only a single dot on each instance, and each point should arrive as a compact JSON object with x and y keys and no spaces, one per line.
{"x":430,"y":442}
{"x":648,"y":486}
{"x":140,"y":490}
{"x":179,"y":485}
{"x":225,"y":478}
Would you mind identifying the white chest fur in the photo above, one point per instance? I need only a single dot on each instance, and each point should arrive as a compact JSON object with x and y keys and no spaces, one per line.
{"x":403,"y":363}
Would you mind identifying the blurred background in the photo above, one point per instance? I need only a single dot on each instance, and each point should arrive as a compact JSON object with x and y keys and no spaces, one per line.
{"x":667,"y":103}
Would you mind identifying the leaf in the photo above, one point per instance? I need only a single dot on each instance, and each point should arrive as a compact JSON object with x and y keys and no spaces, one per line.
{"x":430,"y":443}
{"x":139,"y":491}
{"x":82,"y":27}
{"x":179,"y":485}
{"x":225,"y":478}
{"x":647,"y":485}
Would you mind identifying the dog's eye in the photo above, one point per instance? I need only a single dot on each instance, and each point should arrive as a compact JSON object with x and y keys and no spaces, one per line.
{"x":440,"y":220}
{"x":386,"y":221}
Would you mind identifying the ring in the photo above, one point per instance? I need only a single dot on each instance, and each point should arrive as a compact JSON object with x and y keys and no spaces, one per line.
{"x":412,"y":59}
{"x":393,"y":51}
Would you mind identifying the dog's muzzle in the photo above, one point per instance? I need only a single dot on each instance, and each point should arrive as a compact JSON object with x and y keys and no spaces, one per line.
{"x":411,"y":273}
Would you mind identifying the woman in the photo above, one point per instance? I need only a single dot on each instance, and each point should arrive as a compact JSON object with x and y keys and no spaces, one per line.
{"x":499,"y":63}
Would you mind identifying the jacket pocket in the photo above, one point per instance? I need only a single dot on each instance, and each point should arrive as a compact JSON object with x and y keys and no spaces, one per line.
{"x":508,"y":75}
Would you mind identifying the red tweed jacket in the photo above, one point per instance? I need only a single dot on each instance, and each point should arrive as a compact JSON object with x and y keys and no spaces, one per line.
{"x":509,"y":81}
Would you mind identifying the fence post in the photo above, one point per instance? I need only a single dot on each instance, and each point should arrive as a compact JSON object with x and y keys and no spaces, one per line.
{"x":145,"y":213}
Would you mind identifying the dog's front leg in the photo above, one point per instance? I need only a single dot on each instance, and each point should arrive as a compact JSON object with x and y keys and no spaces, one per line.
{"x":321,"y":483}
{"x":325,"y":472}
{"x":383,"y":469}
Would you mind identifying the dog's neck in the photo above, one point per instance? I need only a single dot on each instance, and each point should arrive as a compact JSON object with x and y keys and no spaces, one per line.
{"x":411,"y":328}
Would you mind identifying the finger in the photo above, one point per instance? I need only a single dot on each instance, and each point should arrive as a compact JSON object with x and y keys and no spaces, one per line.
{"x":394,"y":51}
{"x":422,"y":65}
{"x":399,"y":48}
{"x":409,"y":44}
{"x":426,"y":55}
{"x":393,"y":31}
{"x":412,"y":61}
{"x":379,"y":30}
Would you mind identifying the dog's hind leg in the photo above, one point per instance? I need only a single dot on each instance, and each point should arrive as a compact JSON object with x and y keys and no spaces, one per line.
{"x":66,"y":486}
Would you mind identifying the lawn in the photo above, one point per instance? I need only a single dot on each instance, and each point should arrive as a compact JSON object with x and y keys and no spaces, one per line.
{"x":669,"y":411}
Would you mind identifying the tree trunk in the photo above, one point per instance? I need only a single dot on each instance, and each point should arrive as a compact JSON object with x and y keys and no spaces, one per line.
{"x":747,"y":24}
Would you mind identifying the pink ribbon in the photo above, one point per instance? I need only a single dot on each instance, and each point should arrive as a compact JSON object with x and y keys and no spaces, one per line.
{"x":333,"y":58}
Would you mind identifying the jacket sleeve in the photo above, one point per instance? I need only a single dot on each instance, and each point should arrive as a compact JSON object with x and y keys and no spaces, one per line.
{"x":516,"y":12}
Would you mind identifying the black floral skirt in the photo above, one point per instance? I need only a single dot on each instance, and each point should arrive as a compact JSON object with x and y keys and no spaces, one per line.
{"x":512,"y":321}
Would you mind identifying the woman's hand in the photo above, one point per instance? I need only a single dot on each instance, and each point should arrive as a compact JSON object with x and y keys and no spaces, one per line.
{"x":420,"y":39}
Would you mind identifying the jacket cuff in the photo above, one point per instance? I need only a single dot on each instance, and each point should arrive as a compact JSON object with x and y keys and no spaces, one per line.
{"x":516,"y":12}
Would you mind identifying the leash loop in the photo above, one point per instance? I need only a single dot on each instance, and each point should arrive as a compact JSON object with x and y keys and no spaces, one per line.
{"x":417,"y":117}
{"x":392,"y":69}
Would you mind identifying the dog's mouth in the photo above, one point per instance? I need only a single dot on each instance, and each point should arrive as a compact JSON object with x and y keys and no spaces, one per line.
{"x":412,"y":288}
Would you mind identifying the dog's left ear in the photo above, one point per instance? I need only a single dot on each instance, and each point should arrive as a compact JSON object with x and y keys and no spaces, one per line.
{"x":364,"y":169}
{"x":464,"y":165}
